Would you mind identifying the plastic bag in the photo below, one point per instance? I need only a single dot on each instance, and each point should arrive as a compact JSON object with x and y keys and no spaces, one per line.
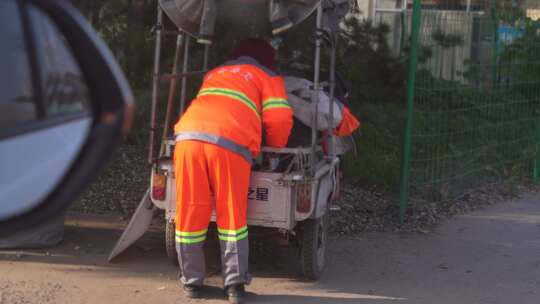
{"x":299,"y":92}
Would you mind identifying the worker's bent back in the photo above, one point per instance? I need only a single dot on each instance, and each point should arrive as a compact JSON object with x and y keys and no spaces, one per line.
{"x":236,"y":101}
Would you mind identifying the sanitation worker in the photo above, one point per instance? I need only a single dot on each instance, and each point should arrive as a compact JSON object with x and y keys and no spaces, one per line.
{"x":216,"y":141}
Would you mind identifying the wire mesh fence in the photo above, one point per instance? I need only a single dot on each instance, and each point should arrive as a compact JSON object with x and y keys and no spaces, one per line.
{"x":473,"y":105}
{"x":475,"y":114}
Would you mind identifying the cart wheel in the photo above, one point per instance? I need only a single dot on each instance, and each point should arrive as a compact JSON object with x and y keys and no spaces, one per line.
{"x":170,"y":242}
{"x":314,"y":243}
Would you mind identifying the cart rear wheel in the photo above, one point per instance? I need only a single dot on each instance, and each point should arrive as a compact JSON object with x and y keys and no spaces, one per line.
{"x":170,"y":242}
{"x":313,"y":249}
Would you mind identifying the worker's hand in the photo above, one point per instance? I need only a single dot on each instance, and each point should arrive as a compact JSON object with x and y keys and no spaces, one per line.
{"x":272,"y":160}
{"x":270,"y":155}
{"x":274,"y":163}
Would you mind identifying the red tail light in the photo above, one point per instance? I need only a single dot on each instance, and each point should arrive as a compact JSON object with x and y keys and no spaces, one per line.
{"x":303,"y":202}
{"x":159,"y":186}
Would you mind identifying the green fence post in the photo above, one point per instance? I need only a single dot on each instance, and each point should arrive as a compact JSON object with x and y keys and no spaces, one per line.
{"x":406,"y":157}
{"x":536,"y":169}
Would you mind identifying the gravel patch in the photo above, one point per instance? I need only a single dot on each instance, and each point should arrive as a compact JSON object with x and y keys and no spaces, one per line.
{"x":26,"y":292}
{"x":119,"y":188}
{"x":368,"y":210}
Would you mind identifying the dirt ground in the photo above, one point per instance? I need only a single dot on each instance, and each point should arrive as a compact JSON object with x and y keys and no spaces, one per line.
{"x":490,"y":256}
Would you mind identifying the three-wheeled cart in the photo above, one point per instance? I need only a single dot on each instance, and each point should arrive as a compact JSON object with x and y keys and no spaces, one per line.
{"x":293,"y":198}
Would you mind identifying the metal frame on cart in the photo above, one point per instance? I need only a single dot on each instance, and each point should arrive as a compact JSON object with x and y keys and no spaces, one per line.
{"x":184,"y":40}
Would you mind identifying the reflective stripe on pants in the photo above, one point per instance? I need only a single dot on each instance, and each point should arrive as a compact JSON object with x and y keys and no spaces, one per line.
{"x":202,"y":169}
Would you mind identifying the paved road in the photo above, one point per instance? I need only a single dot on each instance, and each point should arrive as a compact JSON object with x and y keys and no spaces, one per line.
{"x":491,"y":257}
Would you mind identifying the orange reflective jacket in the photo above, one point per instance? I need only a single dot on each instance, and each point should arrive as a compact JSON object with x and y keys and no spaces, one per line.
{"x":234,"y":103}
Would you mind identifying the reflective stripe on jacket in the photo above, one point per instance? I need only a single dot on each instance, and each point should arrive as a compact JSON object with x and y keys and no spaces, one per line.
{"x":236,"y":101}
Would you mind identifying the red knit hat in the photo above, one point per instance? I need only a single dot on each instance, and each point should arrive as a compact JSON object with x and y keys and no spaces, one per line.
{"x":257,"y":49}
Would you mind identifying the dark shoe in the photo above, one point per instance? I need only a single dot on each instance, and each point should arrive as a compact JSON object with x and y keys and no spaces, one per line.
{"x":236,"y":293}
{"x":192,"y":291}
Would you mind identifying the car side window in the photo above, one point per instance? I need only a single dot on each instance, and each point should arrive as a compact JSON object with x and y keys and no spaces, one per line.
{"x":17,"y":102}
{"x":64,"y":88}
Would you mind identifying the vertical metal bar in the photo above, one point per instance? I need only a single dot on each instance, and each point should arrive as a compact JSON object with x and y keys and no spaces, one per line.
{"x":468,"y":6}
{"x":206,"y":55}
{"x":316,"y":89}
{"x":406,"y":158}
{"x":403,"y":31}
{"x":155,"y":84}
{"x":403,"y":26}
{"x":184,"y":71}
{"x":332,"y":79}
{"x":374,"y":12}
{"x":172,"y":91}
{"x":494,"y":67}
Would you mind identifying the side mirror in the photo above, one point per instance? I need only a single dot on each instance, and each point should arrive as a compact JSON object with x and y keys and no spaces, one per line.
{"x":64,"y":104}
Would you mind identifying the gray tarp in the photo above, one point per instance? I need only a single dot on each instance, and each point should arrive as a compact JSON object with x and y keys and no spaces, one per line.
{"x":197,"y":17}
{"x":299,"y":93}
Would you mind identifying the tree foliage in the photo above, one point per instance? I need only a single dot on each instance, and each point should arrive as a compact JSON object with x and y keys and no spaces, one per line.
{"x":125,"y":25}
